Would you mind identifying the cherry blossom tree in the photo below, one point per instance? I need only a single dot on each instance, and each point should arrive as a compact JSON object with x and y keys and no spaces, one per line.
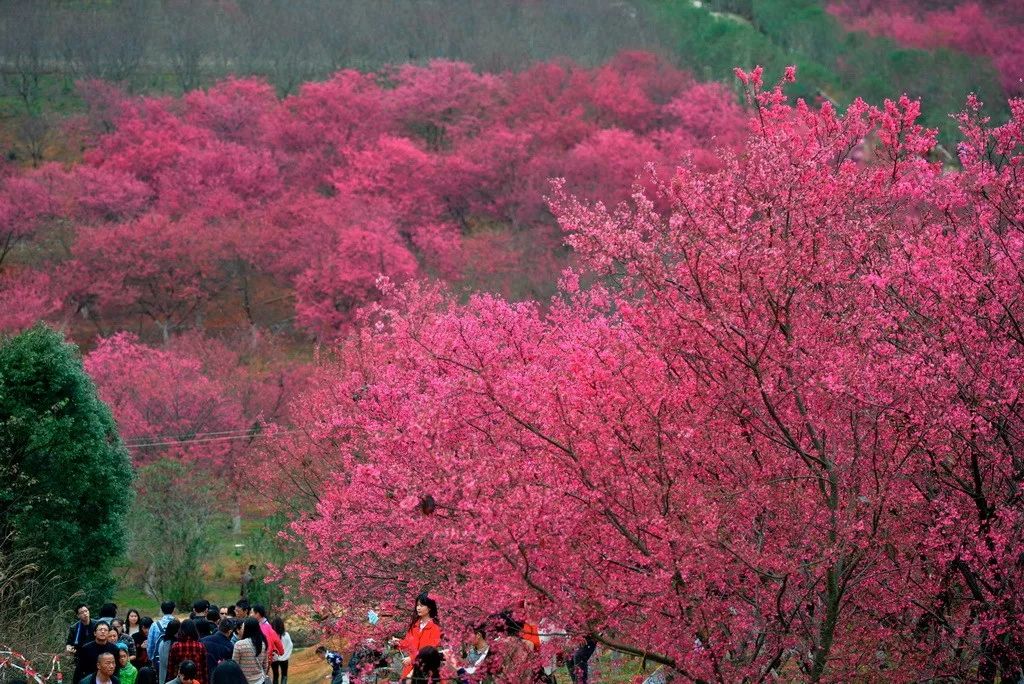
{"x":770,"y":430}
{"x":235,"y":204}
{"x":330,"y":291}
{"x":26,"y":296}
{"x":154,"y":268}
{"x":25,"y":204}
{"x":165,"y":404}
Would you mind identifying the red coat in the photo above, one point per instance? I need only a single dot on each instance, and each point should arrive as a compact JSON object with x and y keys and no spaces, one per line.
{"x":187,"y":650}
{"x":532,"y":634}
{"x":417,"y":638}
{"x":273,"y":639}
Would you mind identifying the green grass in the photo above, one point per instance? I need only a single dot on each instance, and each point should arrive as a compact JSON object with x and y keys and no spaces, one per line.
{"x":841,"y":65}
{"x":222,"y":567}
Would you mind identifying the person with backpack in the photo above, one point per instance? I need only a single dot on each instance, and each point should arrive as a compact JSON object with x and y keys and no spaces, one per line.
{"x":170,"y":635}
{"x":156,"y":632}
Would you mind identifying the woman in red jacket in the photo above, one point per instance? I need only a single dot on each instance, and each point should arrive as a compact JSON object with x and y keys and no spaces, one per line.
{"x":423,"y":631}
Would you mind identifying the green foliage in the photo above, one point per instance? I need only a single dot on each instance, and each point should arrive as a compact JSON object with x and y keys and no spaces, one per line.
{"x":266,"y":547}
{"x":170,"y":530}
{"x":65,"y":476}
{"x":719,"y":35}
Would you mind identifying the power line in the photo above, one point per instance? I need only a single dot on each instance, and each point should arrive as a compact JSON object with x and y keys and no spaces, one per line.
{"x":180,"y":442}
{"x":188,"y":435}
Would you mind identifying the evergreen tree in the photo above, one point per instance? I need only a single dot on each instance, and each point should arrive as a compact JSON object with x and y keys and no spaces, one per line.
{"x":65,"y":475}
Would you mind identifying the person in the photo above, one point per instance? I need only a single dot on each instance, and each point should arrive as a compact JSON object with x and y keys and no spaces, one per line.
{"x":424,"y":630}
{"x":242,"y":609}
{"x":128,"y":672}
{"x":578,"y":663}
{"x":218,"y":645}
{"x":91,"y":651}
{"x":426,"y":668}
{"x":108,"y":611}
{"x":164,"y":649}
{"x":118,"y":637}
{"x":132,"y":622}
{"x":274,"y":645}
{"x":207,"y":624}
{"x":279,"y":662}
{"x":551,"y":638}
{"x":509,"y":658}
{"x":187,"y":673}
{"x":199,"y":607}
{"x":157,"y":631}
{"x":146,"y":675}
{"x":105,"y":672}
{"x":224,"y":612}
{"x":188,"y":647}
{"x":81,"y":632}
{"x":475,"y":667}
{"x":333,"y":658}
{"x":228,"y":672}
{"x":246,"y":582}
{"x":250,"y":652}
{"x":365,"y":659}
{"x":141,"y":639}
{"x":531,"y":634}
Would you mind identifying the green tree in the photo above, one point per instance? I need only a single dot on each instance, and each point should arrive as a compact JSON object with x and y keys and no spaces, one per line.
{"x":65,"y":476}
{"x":170,"y":529}
{"x":266,"y":546}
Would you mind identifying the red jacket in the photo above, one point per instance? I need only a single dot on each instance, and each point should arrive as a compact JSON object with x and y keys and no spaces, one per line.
{"x":273,"y":639}
{"x":532,"y":634}
{"x":187,"y":650}
{"x":417,"y":638}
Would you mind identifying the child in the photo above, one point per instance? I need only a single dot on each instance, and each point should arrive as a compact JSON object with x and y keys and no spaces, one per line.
{"x":128,"y":671}
{"x":334,"y":658}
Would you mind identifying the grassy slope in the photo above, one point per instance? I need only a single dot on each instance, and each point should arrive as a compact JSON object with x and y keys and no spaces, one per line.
{"x":830,"y":61}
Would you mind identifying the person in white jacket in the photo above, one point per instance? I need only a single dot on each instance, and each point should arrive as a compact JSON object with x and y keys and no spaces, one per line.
{"x":279,"y":665}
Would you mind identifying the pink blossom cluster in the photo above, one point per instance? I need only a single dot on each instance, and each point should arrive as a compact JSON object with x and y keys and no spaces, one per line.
{"x":231,"y":207}
{"x":770,"y":427}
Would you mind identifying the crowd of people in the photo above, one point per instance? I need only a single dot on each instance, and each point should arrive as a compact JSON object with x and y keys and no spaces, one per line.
{"x":234,"y":644}
{"x":501,"y":649}
{"x":239,"y":644}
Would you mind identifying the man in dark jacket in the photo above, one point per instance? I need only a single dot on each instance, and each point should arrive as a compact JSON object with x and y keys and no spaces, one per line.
{"x":218,"y":645}
{"x":105,"y":666}
{"x":80,"y":633}
{"x":89,"y":654}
